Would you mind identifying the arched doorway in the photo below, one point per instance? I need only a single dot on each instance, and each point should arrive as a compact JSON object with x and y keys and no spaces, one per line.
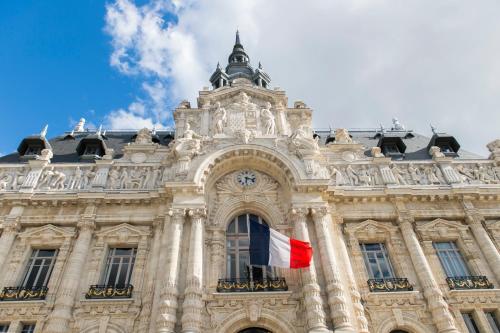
{"x":398,"y":331}
{"x":254,"y":330}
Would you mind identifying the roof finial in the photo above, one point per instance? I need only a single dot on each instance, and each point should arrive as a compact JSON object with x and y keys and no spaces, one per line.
{"x":218,"y":65}
{"x":237,"y":37}
{"x":43,"y":133}
{"x":433,"y":129}
{"x":260,"y":65}
{"x":80,"y":126}
{"x":99,"y":130}
{"x":382,"y":129}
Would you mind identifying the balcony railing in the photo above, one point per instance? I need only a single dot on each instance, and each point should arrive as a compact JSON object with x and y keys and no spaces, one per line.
{"x":394,"y":284}
{"x":247,"y":285}
{"x":469,"y":282}
{"x":103,"y":291}
{"x":23,"y":293}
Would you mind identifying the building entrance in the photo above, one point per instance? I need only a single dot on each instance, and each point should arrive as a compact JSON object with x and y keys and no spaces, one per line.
{"x":254,"y":330}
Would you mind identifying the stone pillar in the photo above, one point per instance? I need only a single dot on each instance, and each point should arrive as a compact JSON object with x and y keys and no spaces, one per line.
{"x":315,"y":314}
{"x":335,"y":288}
{"x":359,"y":310}
{"x":61,"y":315}
{"x":441,"y":315}
{"x":146,"y":316}
{"x":10,"y":229}
{"x":193,"y":304}
{"x":167,"y":315}
{"x":485,"y":243}
{"x":216,"y":256}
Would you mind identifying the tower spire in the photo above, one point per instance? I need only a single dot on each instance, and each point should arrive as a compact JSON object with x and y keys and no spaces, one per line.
{"x":237,"y":42}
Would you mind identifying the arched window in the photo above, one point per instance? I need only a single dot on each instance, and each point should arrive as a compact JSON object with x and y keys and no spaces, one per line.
{"x":254,"y":330}
{"x":238,"y":256}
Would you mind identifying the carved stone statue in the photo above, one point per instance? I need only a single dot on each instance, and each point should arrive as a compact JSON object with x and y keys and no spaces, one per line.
{"x":268,"y":120}
{"x":59,"y":180}
{"x":245,"y":135}
{"x":220,"y":119}
{"x":398,"y":174}
{"x":494,"y":148}
{"x":143,"y":137}
{"x":302,"y":139}
{"x":342,"y":136}
{"x":189,"y":145}
{"x":377,"y":152}
{"x":352,"y":175}
{"x":337,"y":176}
{"x":46,"y":155}
{"x":114,"y":179}
{"x":88,"y":176}
{"x":435,"y":151}
{"x":414,"y":174}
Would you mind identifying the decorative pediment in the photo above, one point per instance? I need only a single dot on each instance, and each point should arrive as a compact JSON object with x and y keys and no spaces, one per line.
{"x":441,"y":228}
{"x":46,"y":234}
{"x":371,"y":229}
{"x":123,"y":233}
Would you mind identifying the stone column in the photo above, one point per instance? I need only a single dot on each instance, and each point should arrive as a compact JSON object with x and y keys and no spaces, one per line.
{"x":193,"y":304}
{"x":485,"y":243}
{"x":149,"y":287}
{"x":335,"y":288}
{"x":167,"y":315}
{"x":216,"y":256}
{"x":11,"y":227}
{"x":61,"y":315}
{"x":359,"y":310}
{"x":315,"y":314}
{"x":441,"y":315}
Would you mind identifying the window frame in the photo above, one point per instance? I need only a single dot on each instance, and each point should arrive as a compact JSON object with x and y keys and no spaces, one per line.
{"x":268,"y":272}
{"x":4,"y":327}
{"x":470,"y":322}
{"x":107,"y":268}
{"x":452,"y":267}
{"x":491,"y":318}
{"x":28,"y":327}
{"x":385,"y":257}
{"x":31,"y":263}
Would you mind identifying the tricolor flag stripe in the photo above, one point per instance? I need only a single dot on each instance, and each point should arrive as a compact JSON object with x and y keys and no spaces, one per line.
{"x":271,"y":248}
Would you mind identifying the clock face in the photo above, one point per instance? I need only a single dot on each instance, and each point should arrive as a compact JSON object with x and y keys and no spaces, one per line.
{"x":246,"y":178}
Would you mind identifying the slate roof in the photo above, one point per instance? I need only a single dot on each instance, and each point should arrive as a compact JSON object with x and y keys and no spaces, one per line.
{"x":64,"y":146}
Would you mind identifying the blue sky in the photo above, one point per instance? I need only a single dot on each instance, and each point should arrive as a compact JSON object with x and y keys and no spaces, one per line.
{"x":54,"y":68}
{"x":357,"y":63}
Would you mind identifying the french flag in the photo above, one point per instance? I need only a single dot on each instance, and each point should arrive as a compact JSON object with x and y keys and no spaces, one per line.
{"x":270,"y":248}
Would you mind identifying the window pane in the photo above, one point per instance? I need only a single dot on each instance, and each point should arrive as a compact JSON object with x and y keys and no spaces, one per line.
{"x":28,"y":328}
{"x":244,"y":244}
{"x":242,"y":224}
{"x":122,"y":278}
{"x":470,"y":323}
{"x":113,"y":273}
{"x":451,"y":259}
{"x":377,"y":261}
{"x":231,"y":228}
{"x":4,"y":328}
{"x":492,"y":320}
{"x":39,"y":268}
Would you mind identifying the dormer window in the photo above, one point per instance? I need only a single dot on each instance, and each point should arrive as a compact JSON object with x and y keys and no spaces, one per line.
{"x":33,"y":150}
{"x":392,"y":146}
{"x":91,"y":147}
{"x":32,"y":146}
{"x":448,"y":144}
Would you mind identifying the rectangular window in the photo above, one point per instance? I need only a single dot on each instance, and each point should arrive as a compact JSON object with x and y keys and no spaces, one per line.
{"x":452,"y":261}
{"x":390,"y":148}
{"x":492,"y":320}
{"x":39,"y":268}
{"x":28,"y":328}
{"x":377,"y":261}
{"x":33,"y":150}
{"x":119,"y":266}
{"x":470,"y":323}
{"x":4,"y":328}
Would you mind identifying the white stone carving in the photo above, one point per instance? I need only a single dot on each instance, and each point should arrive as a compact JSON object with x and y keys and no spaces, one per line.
{"x":376,"y":152}
{"x":268,"y":120}
{"x":302,"y":139}
{"x":435,"y":152}
{"x":220,"y":119}
{"x":143,"y":137}
{"x":342,"y":136}
{"x":46,"y":155}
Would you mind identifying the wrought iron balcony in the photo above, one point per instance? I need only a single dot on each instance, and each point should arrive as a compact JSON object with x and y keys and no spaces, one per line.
{"x":103,"y":291}
{"x":469,"y":282}
{"x":247,"y":285}
{"x":394,"y":284}
{"x":23,"y":293}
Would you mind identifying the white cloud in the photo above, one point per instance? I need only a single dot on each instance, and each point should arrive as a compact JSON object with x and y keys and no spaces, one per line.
{"x":125,"y":119}
{"x":358,"y":63}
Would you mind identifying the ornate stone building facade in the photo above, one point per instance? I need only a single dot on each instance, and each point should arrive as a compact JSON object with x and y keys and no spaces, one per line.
{"x":105,"y":231}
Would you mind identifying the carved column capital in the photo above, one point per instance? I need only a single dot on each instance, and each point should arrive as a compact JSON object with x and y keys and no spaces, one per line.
{"x":318,"y":212}
{"x":12,"y":226}
{"x":197,"y":213}
{"x":298,"y":213}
